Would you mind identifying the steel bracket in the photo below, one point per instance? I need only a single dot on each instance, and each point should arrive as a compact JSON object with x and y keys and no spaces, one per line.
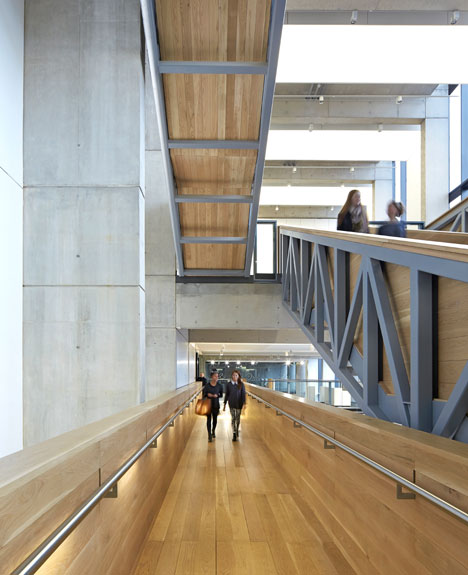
{"x":112,"y":493}
{"x":400,"y":494}
{"x":328,"y":445}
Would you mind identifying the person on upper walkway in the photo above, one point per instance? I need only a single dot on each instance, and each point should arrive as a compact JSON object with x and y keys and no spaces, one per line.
{"x":353,"y":217}
{"x":394,"y":227}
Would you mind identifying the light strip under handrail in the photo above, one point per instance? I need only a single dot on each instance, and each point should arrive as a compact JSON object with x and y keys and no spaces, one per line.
{"x":32,"y":563}
{"x":384,"y":470}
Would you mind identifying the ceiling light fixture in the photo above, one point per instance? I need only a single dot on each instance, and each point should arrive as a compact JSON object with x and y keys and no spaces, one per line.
{"x":351,"y":169}
{"x":294,"y":170}
{"x":311,"y":127}
{"x":399,"y":99}
{"x":289,"y":185}
{"x":277,"y":209}
{"x":321,"y":100}
{"x":380,"y":128}
{"x":212,"y":362}
{"x":354,"y":16}
{"x":454,"y":16}
{"x":237,"y":362}
{"x":302,"y":362}
{"x":288,"y":362}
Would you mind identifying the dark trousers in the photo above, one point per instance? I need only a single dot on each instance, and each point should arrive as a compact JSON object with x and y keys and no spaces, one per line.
{"x":212,"y":416}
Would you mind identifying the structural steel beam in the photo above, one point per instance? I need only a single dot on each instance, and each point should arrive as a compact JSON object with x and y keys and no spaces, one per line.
{"x":192,"y":67}
{"x":213,"y":144}
{"x":206,"y":199}
{"x":149,"y":23}
{"x":274,"y":39}
{"x":212,"y":240}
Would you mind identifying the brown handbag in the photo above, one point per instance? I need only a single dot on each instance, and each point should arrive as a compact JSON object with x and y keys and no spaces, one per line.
{"x":203,"y":406}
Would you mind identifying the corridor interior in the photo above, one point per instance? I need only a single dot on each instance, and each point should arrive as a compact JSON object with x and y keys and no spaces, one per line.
{"x":231,"y":510}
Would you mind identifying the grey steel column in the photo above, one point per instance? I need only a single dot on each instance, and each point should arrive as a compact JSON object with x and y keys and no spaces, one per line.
{"x":464,"y":136}
{"x":422,"y":372}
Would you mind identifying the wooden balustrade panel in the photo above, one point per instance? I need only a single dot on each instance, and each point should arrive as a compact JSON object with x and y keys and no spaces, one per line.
{"x":357,"y":505}
{"x":438,"y":236}
{"x":42,"y":485}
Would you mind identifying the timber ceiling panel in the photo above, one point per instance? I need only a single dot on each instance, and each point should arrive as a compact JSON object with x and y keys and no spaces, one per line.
{"x":198,"y":220}
{"x":213,"y":30}
{"x":224,"y":169}
{"x":213,"y":107}
{"x":213,"y":256}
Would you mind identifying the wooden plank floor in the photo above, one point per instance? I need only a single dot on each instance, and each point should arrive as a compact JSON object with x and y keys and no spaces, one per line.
{"x":228,"y":511}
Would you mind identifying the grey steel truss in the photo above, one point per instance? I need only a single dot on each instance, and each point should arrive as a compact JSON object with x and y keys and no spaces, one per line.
{"x":456,"y":218}
{"x":274,"y":39}
{"x":330,"y":322}
{"x":268,"y":70}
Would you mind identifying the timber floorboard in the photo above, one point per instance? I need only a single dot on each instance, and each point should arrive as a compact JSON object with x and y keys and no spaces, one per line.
{"x":229,"y":511}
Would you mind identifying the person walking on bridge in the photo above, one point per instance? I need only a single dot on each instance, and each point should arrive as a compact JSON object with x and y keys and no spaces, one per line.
{"x":214,"y":391}
{"x":235,"y":396}
{"x":353,"y":216}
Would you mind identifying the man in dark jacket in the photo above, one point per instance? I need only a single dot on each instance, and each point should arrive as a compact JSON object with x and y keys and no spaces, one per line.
{"x":235,"y":396}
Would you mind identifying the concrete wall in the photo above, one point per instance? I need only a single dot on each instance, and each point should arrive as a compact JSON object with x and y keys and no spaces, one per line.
{"x":231,"y":306}
{"x":83,"y":213}
{"x":11,"y":223}
{"x":435,"y":157}
{"x":161,"y":334}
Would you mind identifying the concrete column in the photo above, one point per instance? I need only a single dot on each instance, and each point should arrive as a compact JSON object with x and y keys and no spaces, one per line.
{"x":11,"y":225}
{"x":161,"y":332}
{"x":383,"y":190}
{"x":300,"y":371}
{"x":435,"y":157}
{"x":284,"y":371}
{"x":83,"y":213}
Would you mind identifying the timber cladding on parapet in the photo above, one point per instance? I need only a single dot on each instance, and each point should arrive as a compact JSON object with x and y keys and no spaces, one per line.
{"x":376,"y":532}
{"x":42,"y":485}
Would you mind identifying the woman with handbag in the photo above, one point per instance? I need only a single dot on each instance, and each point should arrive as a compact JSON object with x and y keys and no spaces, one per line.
{"x":235,"y":396}
{"x":214,"y":391}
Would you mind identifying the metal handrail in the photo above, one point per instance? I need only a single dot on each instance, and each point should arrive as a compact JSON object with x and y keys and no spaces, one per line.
{"x":45,"y":550}
{"x":384,"y":470}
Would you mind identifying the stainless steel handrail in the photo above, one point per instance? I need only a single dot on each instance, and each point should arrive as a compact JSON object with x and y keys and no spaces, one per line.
{"x":384,"y":470}
{"x":32,"y":563}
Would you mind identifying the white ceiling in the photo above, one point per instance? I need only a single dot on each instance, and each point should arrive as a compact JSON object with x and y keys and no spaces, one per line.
{"x":373,"y":54}
{"x":243,"y":351}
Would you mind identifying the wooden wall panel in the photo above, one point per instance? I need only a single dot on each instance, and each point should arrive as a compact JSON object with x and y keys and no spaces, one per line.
{"x":213,"y":107}
{"x":212,"y":30}
{"x":231,"y":220}
{"x":214,"y":256}
{"x":377,"y":533}
{"x":453,"y":333}
{"x":42,"y":485}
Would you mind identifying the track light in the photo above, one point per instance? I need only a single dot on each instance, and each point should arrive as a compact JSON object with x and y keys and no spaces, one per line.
{"x":354,"y":16}
{"x":311,"y":127}
{"x":399,"y":99}
{"x":212,"y":362}
{"x":294,"y":169}
{"x":277,"y":209}
{"x":302,"y":362}
{"x":289,"y":185}
{"x":454,"y":16}
{"x":351,"y":169}
{"x":321,"y":100}
{"x":380,"y":128}
{"x":237,"y":362}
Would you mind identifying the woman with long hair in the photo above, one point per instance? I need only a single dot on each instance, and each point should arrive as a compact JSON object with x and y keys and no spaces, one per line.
{"x":214,"y":390}
{"x":235,"y":395}
{"x":353,"y":217}
{"x":394,"y":227}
